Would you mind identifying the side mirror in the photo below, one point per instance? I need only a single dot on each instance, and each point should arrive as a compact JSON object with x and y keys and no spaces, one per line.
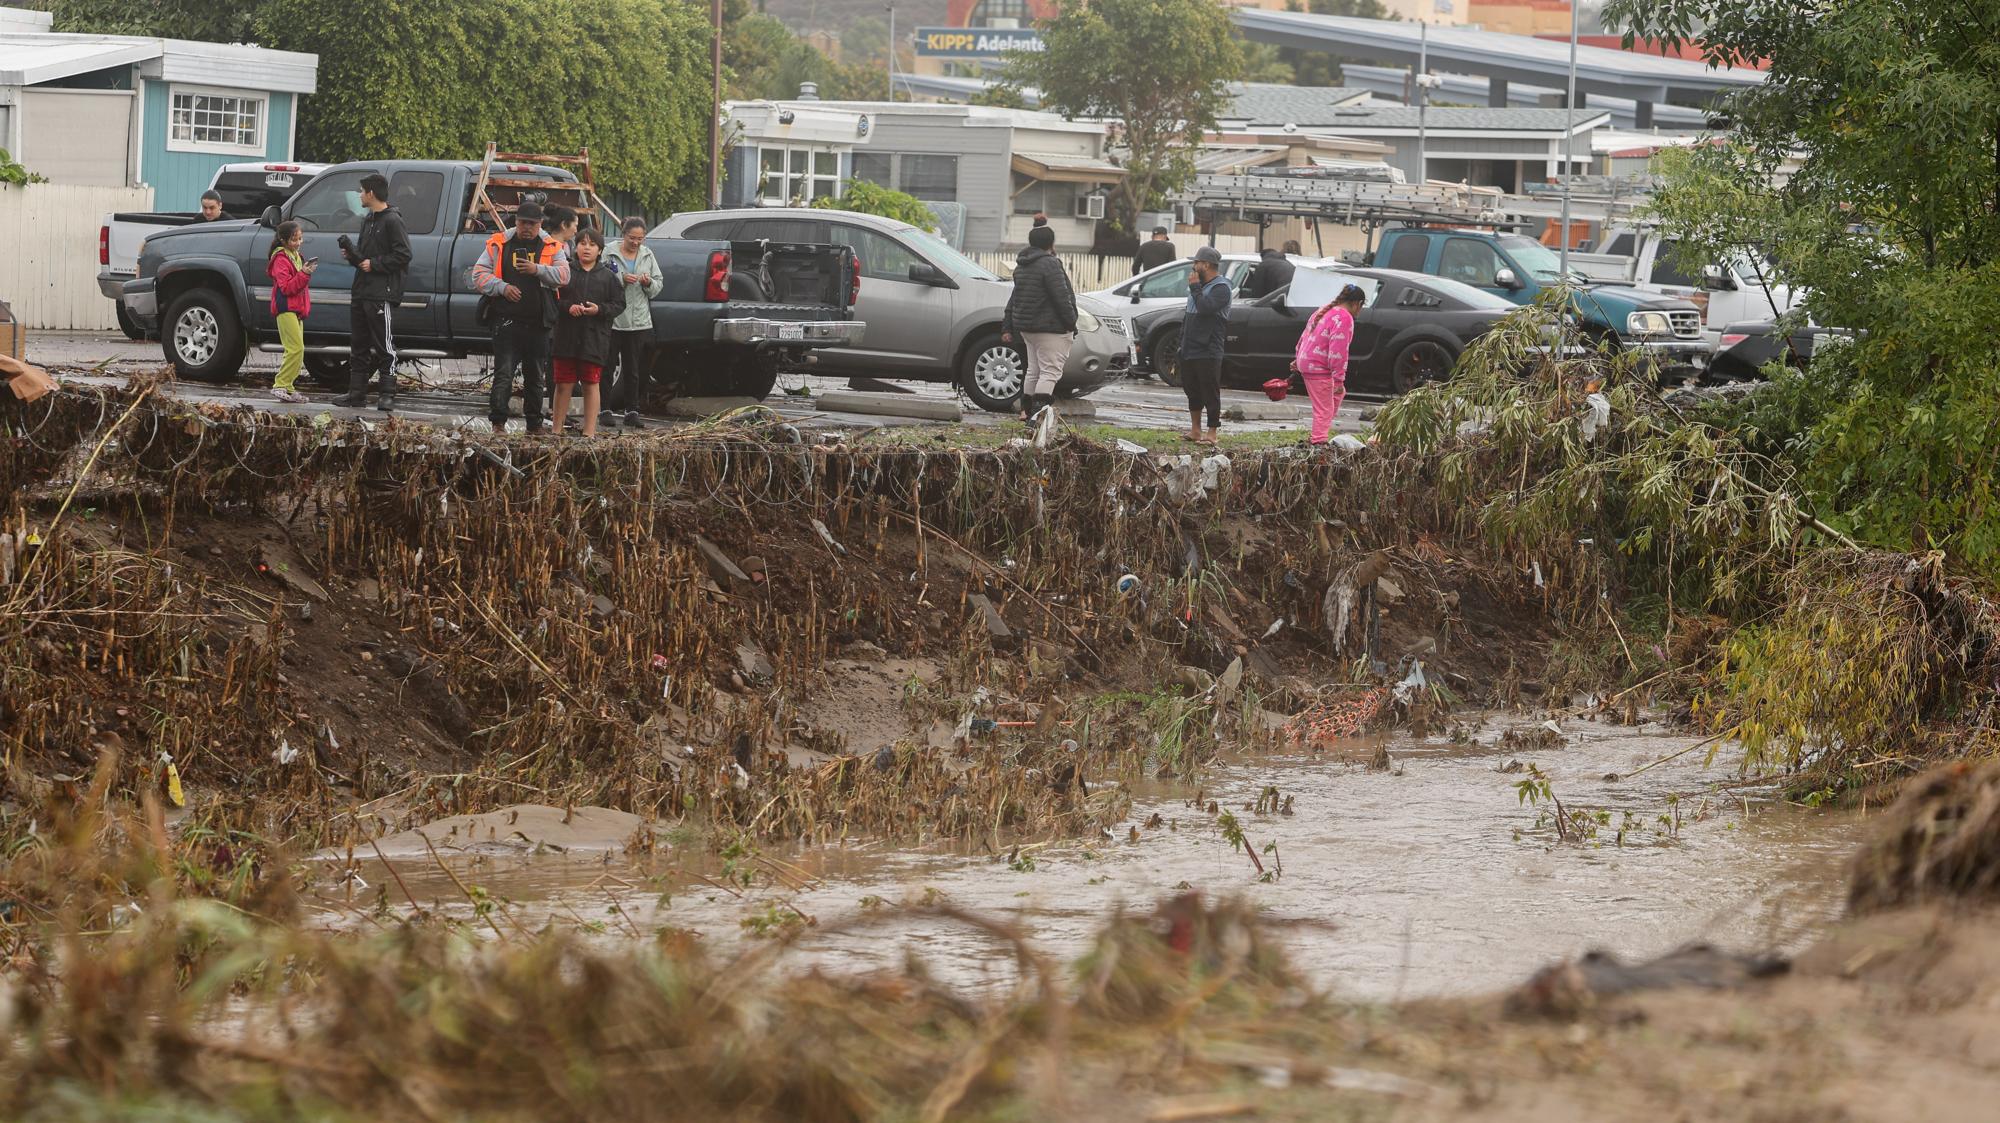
{"x":271,"y":217}
{"x":1135,"y":294}
{"x":1507,"y":279}
{"x":1717,"y":278}
{"x":924,"y":273}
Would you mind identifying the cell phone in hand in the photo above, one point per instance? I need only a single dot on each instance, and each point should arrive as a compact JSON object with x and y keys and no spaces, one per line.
{"x":312,"y":261}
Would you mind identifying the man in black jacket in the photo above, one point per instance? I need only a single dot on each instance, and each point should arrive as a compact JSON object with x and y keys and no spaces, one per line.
{"x":1274,"y":271}
{"x":1042,"y":310}
{"x":380,"y":259}
{"x":1155,"y":253}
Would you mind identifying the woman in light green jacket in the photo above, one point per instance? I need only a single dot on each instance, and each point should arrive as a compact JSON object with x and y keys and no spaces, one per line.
{"x":632,"y":331}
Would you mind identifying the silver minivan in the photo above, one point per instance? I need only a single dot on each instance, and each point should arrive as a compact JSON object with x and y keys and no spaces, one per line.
{"x":932,"y":313}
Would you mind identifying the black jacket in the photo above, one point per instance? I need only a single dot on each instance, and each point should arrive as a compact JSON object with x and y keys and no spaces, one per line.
{"x":1042,"y":300}
{"x":1152,"y":255}
{"x":385,"y":242}
{"x":1272,"y":273}
{"x":588,"y":338}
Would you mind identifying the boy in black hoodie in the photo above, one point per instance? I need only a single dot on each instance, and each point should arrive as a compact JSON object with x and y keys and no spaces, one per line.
{"x":380,"y":259}
{"x":585,"y":308}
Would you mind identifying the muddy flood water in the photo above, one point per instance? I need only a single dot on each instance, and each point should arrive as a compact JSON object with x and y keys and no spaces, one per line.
{"x":1431,"y":878}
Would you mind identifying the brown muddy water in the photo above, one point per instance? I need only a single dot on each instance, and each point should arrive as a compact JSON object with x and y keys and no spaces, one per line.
{"x":1432,"y":878}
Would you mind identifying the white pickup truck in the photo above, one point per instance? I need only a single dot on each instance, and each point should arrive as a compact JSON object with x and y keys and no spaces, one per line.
{"x":246,"y":190}
{"x":1730,"y":292}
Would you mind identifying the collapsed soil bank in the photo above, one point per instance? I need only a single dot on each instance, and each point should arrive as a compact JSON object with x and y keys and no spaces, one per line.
{"x":305,"y":615}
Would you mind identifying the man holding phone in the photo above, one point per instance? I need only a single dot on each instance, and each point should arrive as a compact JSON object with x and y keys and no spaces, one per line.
{"x":1203,"y":332}
{"x":520,"y":271}
{"x":380,"y":259}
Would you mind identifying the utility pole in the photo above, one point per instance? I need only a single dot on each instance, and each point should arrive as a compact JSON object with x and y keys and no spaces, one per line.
{"x":1569,"y":141}
{"x":1423,"y":102}
{"x":892,"y":52}
{"x":715,"y":104}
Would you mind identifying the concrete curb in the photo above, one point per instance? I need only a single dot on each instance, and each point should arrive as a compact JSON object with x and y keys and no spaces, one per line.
{"x":888,"y":405}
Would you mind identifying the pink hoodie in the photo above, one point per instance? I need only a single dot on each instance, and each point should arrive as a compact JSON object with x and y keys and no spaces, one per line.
{"x":1322,"y":350}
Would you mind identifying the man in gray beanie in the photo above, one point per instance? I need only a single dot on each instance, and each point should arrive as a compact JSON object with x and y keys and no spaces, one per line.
{"x":1042,"y":310}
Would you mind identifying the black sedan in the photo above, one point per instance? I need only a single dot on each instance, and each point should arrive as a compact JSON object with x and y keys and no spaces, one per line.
{"x":1411,"y":331}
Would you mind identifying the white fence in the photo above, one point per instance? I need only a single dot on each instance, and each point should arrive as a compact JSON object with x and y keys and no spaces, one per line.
{"x":1089,"y":272}
{"x":48,"y":268}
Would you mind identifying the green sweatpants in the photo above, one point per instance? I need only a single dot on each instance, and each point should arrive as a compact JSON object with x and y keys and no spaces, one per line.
{"x":292,"y":334}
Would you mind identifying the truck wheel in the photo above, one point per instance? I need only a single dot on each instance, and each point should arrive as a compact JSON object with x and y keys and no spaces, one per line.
{"x":1424,"y":361}
{"x":1167,"y":357}
{"x":202,"y":336}
{"x":992,"y":372}
{"x":327,"y":370}
{"x":755,"y":375}
{"x":128,"y":325}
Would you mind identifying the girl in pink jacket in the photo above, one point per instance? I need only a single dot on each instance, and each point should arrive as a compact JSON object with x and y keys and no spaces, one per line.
{"x":1321,"y":358}
{"x":291,"y":302}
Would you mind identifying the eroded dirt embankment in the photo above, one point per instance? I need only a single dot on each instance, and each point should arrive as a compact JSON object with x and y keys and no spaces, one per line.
{"x":305,"y":616}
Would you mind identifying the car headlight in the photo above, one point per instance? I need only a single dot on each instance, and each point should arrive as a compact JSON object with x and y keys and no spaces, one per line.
{"x":1085,"y":322}
{"x":1648,"y":324}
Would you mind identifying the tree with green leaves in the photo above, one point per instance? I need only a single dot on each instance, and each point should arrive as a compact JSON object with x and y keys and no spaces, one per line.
{"x":214,"y":21}
{"x":1891,"y":218}
{"x":766,"y":60}
{"x":439,"y":78}
{"x":863,"y":197}
{"x":1160,"y":68}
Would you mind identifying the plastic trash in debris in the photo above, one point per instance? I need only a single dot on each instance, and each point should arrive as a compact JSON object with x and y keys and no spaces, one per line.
{"x":1412,"y":683}
{"x":284,"y":753}
{"x":1211,"y":471}
{"x":1128,"y":584}
{"x":1598,"y":417}
{"x":1045,"y":427}
{"x":1349,"y":442}
{"x":175,"y":794}
{"x":1276,"y":627}
{"x":1539,"y":583}
{"x":1129,"y":448}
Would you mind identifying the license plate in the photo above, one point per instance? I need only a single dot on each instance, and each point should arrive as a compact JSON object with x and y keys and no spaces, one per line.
{"x":791,"y":331}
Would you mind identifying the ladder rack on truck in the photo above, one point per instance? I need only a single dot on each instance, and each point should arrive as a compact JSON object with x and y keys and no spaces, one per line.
{"x":495,"y":180}
{"x":1370,"y":205}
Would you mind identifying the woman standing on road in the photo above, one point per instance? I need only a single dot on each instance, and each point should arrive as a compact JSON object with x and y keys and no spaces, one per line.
{"x":291,"y":300}
{"x":584,"y":311}
{"x":1042,"y":310}
{"x":1321,"y":358}
{"x":632,"y":330}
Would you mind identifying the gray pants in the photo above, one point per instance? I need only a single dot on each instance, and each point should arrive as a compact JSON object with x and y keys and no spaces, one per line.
{"x":1048,"y":354}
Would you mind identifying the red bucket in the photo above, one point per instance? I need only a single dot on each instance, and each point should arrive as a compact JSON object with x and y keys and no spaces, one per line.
{"x":1277,"y":388}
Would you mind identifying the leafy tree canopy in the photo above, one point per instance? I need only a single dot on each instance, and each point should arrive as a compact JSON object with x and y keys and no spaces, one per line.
{"x":863,"y":197}
{"x":1868,"y":167}
{"x":437,"y":79}
{"x":1160,"y":67}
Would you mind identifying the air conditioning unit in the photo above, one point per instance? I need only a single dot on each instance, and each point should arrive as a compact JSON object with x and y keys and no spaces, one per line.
{"x":1090,"y":206}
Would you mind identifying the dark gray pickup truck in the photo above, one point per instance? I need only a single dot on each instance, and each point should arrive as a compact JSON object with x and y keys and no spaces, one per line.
{"x":729,"y":314}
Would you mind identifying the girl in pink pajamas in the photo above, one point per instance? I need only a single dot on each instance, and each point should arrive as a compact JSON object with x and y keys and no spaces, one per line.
{"x":1321,"y":358}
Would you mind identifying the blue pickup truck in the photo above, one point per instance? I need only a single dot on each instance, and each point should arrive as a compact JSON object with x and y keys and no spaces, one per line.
{"x":730,"y":311}
{"x":1519,"y":269}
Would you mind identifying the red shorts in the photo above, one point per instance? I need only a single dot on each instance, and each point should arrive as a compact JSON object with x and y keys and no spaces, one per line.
{"x":571,"y":371}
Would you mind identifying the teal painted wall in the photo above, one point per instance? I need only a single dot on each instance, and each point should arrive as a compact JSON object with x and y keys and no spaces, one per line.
{"x":179,"y":178}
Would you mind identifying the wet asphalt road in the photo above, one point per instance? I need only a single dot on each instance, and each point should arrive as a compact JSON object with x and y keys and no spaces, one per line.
{"x":452,"y":393}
